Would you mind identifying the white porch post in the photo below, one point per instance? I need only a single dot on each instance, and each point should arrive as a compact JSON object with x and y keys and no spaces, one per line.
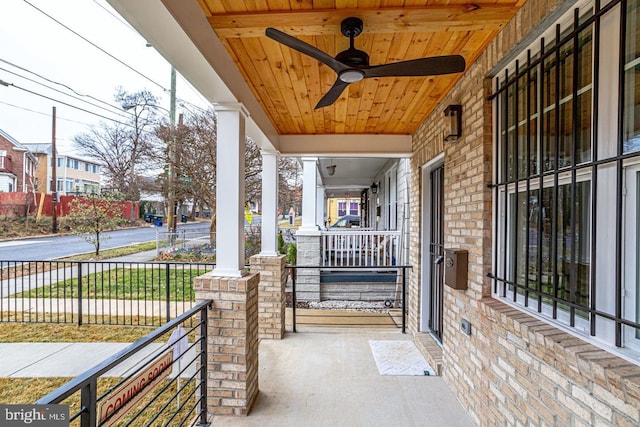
{"x":321,"y":206}
{"x":269,"y":204}
{"x":308,"y":235}
{"x":309,"y":198}
{"x":230,"y":190}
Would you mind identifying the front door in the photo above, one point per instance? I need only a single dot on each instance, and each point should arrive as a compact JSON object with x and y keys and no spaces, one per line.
{"x":436,"y":251}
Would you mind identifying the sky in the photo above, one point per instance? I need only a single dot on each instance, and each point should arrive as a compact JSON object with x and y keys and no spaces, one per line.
{"x":77,"y":69}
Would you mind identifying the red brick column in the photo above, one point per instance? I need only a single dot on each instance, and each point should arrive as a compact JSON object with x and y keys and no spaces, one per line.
{"x":232,"y":346}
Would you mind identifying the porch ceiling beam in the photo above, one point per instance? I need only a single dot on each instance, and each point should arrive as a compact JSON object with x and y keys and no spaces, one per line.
{"x":312,"y":22}
{"x":346,"y":145}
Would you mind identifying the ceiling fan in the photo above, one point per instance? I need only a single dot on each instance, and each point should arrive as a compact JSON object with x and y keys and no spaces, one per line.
{"x":352,"y":65}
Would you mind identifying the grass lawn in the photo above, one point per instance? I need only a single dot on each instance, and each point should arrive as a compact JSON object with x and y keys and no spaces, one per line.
{"x":57,"y":332}
{"x":114,"y":253}
{"x":124,"y":283}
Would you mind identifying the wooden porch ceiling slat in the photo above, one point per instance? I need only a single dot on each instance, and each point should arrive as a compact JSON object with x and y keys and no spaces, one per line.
{"x":386,"y":20}
{"x":289,"y":84}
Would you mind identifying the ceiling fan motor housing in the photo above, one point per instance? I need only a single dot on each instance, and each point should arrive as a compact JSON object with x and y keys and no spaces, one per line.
{"x":352,"y":27}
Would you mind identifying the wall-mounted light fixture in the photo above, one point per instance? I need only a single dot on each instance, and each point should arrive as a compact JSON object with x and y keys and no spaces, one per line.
{"x":331,"y":170}
{"x":453,"y":123}
{"x":374,"y":188}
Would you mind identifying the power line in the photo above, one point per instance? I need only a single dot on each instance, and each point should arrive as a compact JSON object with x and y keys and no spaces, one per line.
{"x":194,"y":90}
{"x":44,"y":114}
{"x":118,"y":112}
{"x":88,"y":125}
{"x":96,"y":46}
{"x":182,"y":101}
{"x":129,"y":27}
{"x":112,"y":56}
{"x":116,"y":17}
{"x":54,"y":82}
{"x":64,"y":103}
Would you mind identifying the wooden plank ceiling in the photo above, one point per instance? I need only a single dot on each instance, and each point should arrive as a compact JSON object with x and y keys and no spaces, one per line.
{"x":289,"y":84}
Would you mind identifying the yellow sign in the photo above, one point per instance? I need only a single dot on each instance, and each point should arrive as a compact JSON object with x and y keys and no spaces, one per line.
{"x":247,"y":214}
{"x":122,"y":399}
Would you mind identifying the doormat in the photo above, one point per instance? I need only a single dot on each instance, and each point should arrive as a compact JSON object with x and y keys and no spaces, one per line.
{"x":399,"y":358}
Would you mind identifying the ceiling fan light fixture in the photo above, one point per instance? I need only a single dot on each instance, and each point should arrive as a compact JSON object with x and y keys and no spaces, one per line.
{"x":351,"y":75}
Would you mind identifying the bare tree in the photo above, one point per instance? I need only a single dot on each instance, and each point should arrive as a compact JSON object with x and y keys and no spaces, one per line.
{"x":125,"y":150}
{"x":290,"y":183}
{"x":194,"y":161}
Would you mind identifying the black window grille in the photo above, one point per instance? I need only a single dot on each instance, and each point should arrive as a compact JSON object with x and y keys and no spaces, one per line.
{"x":556,"y":179}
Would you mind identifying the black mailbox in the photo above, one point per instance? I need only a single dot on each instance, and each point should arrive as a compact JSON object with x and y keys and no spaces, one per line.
{"x":456,"y":265}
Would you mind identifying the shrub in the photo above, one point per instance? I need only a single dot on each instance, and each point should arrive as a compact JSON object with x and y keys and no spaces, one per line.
{"x":292,"y":253}
{"x":282,"y":246}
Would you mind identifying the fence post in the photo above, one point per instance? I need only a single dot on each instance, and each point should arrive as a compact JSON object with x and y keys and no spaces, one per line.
{"x":404,"y":300}
{"x":294,"y":272}
{"x":167,"y":293}
{"x":88,"y":397}
{"x":79,"y":293}
{"x":204,"y":316}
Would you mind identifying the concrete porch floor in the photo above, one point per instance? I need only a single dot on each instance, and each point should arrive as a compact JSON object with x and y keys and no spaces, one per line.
{"x":328,"y":377}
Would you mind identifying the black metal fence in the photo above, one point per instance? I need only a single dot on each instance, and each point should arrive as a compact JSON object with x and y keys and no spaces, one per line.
{"x":114,"y":293}
{"x":160,"y":380}
{"x":372,"y":297}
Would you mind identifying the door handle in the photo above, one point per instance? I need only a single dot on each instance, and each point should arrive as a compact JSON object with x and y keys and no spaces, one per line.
{"x":438,"y":260}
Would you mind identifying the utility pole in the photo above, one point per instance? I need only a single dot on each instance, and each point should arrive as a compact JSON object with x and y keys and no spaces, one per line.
{"x":171,"y":185}
{"x":54,"y":176}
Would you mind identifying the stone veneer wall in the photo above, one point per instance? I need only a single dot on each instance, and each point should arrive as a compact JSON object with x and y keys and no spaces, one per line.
{"x":513,"y":369}
{"x":232,"y":342}
{"x":308,"y":254}
{"x":271,"y":295}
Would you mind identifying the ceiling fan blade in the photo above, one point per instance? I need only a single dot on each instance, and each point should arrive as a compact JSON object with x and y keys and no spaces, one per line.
{"x":306,"y":48}
{"x":334,"y":93}
{"x":431,"y":66}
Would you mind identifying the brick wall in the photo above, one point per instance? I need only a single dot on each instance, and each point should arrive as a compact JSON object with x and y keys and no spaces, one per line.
{"x":271,"y":295}
{"x":513,"y":369}
{"x":232,"y":358}
{"x":14,"y":204}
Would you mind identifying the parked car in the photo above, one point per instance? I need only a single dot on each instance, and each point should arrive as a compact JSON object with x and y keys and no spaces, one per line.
{"x":347,"y":221}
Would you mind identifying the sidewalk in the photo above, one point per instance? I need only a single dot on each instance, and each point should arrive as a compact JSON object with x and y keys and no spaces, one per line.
{"x":51,"y":360}
{"x":137,"y":257}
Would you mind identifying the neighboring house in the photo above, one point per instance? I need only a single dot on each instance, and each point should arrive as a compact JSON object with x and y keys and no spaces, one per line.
{"x":17,"y":165}
{"x":74,"y":175}
{"x":539,"y":324}
{"x":340,"y":206}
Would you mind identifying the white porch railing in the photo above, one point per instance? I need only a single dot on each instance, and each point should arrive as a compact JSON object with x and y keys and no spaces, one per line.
{"x":347,"y":248}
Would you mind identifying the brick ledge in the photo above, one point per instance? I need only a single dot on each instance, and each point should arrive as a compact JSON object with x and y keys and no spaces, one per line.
{"x":583,"y":363}
{"x":430,"y":349}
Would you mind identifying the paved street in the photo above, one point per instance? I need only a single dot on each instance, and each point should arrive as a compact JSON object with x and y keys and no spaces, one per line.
{"x":52,"y":247}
